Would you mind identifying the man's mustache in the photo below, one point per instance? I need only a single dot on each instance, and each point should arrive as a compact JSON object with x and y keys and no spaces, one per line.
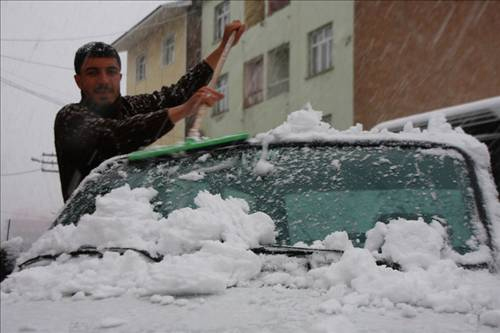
{"x":103,"y":88}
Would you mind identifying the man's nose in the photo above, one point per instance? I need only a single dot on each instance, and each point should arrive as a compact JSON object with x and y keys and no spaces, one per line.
{"x":104,"y":77}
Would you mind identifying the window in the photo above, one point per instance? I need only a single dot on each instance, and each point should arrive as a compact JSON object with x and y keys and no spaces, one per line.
{"x":221,"y":18}
{"x":168,"y":50}
{"x":140,"y":68}
{"x":320,"y":49}
{"x":278,"y":70}
{"x":254,"y":12}
{"x":253,"y":81}
{"x":275,"y":5}
{"x":222,"y":105}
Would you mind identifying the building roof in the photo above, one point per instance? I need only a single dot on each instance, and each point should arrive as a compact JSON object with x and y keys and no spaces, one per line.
{"x":148,"y":24}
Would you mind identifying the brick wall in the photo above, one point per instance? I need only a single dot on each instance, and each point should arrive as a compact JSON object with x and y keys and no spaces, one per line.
{"x":415,"y":56}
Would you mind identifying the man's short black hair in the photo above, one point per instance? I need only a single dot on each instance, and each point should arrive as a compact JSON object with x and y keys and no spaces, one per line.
{"x":95,"y":49}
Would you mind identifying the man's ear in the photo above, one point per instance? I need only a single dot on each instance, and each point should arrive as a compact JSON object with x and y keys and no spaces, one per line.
{"x":77,"y":80}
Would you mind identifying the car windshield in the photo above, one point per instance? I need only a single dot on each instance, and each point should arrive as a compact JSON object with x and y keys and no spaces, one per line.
{"x":309,"y":191}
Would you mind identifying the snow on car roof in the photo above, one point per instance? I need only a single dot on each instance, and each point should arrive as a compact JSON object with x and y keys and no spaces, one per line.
{"x":306,"y":126}
{"x":468,"y":111}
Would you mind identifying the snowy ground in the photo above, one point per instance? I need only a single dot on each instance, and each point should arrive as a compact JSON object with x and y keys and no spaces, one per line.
{"x":209,"y":280}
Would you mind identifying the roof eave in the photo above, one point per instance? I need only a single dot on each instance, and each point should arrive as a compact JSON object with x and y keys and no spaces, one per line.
{"x":121,"y":44}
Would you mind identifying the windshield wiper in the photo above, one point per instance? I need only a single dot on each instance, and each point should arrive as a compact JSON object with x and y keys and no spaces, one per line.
{"x":90,"y":251}
{"x":291,"y":251}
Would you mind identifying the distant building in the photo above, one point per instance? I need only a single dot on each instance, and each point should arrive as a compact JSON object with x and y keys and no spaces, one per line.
{"x":293,"y":52}
{"x":158,"y":52}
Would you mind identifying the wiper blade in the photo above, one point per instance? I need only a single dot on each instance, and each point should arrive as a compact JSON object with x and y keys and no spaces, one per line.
{"x":291,"y":251}
{"x":90,"y":251}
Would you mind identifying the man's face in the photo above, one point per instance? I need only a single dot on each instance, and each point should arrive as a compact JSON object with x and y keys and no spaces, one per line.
{"x":99,"y":80}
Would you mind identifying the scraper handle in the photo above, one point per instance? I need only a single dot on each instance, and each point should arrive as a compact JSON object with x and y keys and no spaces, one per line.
{"x":194,"y":131}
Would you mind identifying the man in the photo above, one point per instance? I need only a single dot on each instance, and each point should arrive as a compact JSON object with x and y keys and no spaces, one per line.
{"x":105,"y":124}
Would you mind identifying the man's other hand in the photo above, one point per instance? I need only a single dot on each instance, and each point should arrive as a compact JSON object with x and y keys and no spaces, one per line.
{"x":204,"y":96}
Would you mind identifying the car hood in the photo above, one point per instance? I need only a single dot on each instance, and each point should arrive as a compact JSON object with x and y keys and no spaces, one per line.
{"x":239,"y":309}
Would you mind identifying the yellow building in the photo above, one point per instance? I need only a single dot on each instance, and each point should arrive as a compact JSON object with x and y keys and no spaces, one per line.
{"x":158,"y":55}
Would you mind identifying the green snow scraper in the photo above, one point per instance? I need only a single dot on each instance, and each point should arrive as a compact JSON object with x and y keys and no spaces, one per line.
{"x":189,"y":144}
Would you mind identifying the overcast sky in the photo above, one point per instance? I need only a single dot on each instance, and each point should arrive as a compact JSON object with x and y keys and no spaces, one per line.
{"x":45,"y":34}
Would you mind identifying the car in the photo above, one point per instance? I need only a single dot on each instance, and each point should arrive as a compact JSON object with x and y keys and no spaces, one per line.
{"x":480,"y":119}
{"x":302,"y":228}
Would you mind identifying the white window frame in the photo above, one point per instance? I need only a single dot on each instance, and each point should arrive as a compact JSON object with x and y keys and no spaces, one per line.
{"x":221,"y":18}
{"x":321,"y":49}
{"x":140,"y":68}
{"x":222,"y":87}
{"x":251,"y":96}
{"x":168,"y":50}
{"x":284,"y":82}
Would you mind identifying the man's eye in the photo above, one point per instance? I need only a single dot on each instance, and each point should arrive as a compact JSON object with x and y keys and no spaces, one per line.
{"x":112,"y":71}
{"x":91,"y":73}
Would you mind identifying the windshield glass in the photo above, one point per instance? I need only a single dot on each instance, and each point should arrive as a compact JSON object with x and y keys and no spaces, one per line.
{"x":309,"y":192}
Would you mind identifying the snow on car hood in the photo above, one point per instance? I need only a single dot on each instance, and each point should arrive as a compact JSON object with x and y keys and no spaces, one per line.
{"x":206,"y":251}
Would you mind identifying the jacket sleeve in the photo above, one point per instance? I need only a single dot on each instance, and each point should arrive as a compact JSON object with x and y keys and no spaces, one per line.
{"x":83,"y":135}
{"x":173,"y":95}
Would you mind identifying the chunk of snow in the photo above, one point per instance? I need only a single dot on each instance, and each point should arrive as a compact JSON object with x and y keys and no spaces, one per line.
{"x":193,"y":176}
{"x":490,"y":318}
{"x":338,"y":240}
{"x":263,"y":168}
{"x":408,"y":243}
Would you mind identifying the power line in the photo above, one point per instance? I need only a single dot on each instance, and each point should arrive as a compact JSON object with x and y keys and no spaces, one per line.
{"x":32,"y":92}
{"x":62,"y":39}
{"x":19,"y":173}
{"x":35,"y":62}
{"x":22,"y":78}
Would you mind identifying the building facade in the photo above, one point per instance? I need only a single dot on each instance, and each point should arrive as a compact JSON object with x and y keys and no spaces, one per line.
{"x":158,"y":53}
{"x":293,"y":52}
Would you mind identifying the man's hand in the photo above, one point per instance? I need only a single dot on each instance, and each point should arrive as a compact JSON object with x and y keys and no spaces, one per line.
{"x":204,"y":96}
{"x":235,"y":26}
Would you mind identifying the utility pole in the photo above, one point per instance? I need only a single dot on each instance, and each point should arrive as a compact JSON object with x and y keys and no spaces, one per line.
{"x":8,"y":230}
{"x":47,"y":162}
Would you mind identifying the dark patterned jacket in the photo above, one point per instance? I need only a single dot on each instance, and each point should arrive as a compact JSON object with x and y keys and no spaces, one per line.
{"x":85,"y":136}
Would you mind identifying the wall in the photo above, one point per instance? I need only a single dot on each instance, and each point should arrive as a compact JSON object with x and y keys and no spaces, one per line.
{"x":416,"y":56}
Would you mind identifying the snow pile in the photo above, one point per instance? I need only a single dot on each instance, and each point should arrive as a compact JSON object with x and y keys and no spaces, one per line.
{"x":426,"y":279}
{"x":205,"y":249}
{"x":125,"y":218}
{"x":400,"y":241}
